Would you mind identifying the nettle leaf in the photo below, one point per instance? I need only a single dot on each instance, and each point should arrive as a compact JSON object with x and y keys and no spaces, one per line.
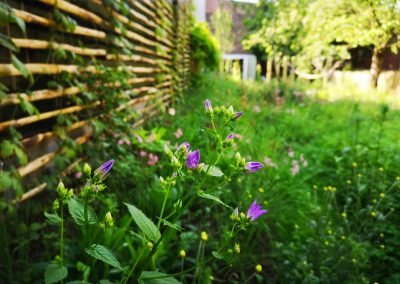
{"x":20,"y":66}
{"x":104,"y":254}
{"x":77,"y":210}
{"x":212,"y":171}
{"x":171,"y":225}
{"x":53,"y":218}
{"x":7,"y":148}
{"x":144,"y":223}
{"x":8,"y":43}
{"x":22,"y":157}
{"x":55,"y":273}
{"x":27,"y":106}
{"x":212,"y":197}
{"x":153,"y":277}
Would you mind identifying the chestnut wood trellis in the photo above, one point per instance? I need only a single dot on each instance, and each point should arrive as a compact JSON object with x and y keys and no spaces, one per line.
{"x":157,"y":32}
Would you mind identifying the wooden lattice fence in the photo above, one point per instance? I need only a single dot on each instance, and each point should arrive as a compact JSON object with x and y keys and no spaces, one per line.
{"x":55,"y":72}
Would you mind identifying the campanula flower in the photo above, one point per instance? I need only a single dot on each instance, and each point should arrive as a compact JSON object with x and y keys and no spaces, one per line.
{"x":185,"y":146}
{"x":252,"y":167}
{"x":178,"y":133}
{"x":208,"y":106}
{"x":237,"y":115}
{"x":255,"y":211}
{"x":193,"y":159}
{"x":230,"y":136}
{"x":103,"y":170}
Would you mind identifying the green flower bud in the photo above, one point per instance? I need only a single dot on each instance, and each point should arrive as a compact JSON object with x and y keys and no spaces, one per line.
{"x":61,"y":190}
{"x":87,"y":170}
{"x":108,"y":220}
{"x":56,"y":204}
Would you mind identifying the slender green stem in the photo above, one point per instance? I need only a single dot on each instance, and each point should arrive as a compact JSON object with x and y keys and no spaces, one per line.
{"x":166,"y":193}
{"x":85,"y":213}
{"x":134,"y":266}
{"x":198,"y":260}
{"x":62,"y":232}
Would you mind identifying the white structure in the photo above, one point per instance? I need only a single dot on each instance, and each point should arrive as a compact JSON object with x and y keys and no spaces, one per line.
{"x":200,"y":10}
{"x":249,"y":64}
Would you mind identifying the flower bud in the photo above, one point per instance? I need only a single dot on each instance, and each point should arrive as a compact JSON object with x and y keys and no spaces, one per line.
{"x":61,"y":190}
{"x":208,"y":106}
{"x":108,"y":220}
{"x":182,"y":253}
{"x":175,"y":163}
{"x":87,"y":170}
{"x":168,"y":151}
{"x":150,"y":245}
{"x":56,"y":204}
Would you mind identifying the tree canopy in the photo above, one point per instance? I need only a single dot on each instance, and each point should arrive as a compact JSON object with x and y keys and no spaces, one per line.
{"x":319,"y":33}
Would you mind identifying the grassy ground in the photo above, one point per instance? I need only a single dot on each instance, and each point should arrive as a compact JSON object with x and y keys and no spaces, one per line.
{"x":330,"y":182}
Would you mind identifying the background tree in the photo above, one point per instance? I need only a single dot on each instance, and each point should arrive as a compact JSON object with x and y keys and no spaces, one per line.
{"x":319,"y":33}
{"x":221,"y":23}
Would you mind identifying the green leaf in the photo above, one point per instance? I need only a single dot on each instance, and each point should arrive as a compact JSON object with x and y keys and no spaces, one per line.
{"x":217,"y":255}
{"x":27,"y":106}
{"x":104,"y":254}
{"x":212,"y":197}
{"x":212,"y":171}
{"x":153,"y":277}
{"x":53,"y":218}
{"x":23,"y":159}
{"x":20,"y":22}
{"x":20,"y":66}
{"x":77,"y":210}
{"x":55,"y":273}
{"x":7,"y":148}
{"x":171,"y":225}
{"x":79,"y":282}
{"x":145,"y":224}
{"x":8,"y":43}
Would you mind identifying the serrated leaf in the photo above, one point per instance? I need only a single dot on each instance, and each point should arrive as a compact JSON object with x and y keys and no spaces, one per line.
{"x":212,"y":197}
{"x":153,"y":277}
{"x":104,"y":254}
{"x":55,"y":273}
{"x":53,"y":218}
{"x":8,"y":43}
{"x":217,"y":255}
{"x":171,"y":225}
{"x":22,"y":157}
{"x":212,"y":171}
{"x":144,"y":223}
{"x":20,"y":66}
{"x":77,"y":210}
{"x":7,"y":148}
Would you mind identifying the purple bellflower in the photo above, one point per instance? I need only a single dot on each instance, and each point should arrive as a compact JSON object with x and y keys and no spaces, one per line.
{"x":230,"y":136}
{"x":185,"y":146}
{"x":252,"y":167}
{"x":237,"y":115}
{"x":193,"y":159}
{"x":255,"y":211}
{"x":208,"y":105}
{"x":103,"y":170}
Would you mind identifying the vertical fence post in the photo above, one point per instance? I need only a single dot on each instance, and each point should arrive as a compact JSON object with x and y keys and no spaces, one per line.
{"x":277,"y":66}
{"x":268,"y":75}
{"x":284,"y":68}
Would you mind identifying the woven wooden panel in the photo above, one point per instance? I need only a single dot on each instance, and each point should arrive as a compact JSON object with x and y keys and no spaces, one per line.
{"x":147,"y":39}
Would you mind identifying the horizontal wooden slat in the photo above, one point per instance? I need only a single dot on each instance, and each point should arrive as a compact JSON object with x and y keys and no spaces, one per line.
{"x":34,"y":19}
{"x":42,"y":44}
{"x":42,"y":116}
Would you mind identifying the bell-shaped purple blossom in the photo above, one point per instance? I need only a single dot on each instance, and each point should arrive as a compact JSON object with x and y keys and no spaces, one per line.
{"x":103,"y":170}
{"x":193,"y":159}
{"x":237,"y":115}
{"x":185,"y":146}
{"x":255,"y":211}
{"x":230,"y":136}
{"x":208,"y":105}
{"x":252,"y":167}
{"x":236,"y":213}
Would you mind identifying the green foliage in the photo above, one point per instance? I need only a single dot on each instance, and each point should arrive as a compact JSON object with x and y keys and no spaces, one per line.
{"x":144,"y":223}
{"x":55,"y":273}
{"x":77,"y":210}
{"x":221,"y":23}
{"x":320,"y":33}
{"x":204,"y":48}
{"x":104,"y":254}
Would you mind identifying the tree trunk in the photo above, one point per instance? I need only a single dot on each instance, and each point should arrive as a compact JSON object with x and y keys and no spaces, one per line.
{"x":376,"y":66}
